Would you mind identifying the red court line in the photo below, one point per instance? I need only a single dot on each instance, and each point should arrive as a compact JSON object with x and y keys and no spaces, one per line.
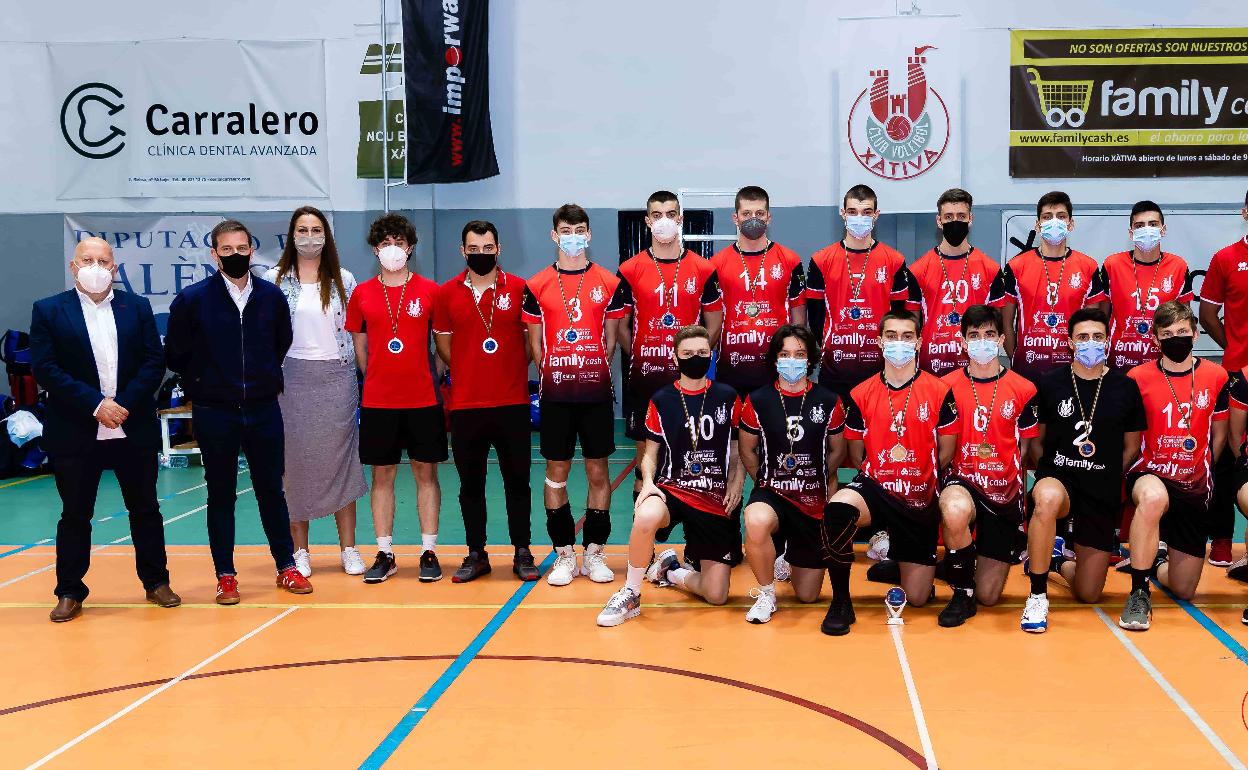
{"x":891,"y":742}
{"x":620,"y":479}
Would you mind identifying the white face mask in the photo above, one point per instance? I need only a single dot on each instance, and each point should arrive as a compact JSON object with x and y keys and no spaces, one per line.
{"x":665,"y":230}
{"x":309,"y":245}
{"x":95,"y":279}
{"x":392,"y":257}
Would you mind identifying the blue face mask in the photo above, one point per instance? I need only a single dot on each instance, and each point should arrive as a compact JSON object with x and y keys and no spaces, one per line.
{"x":859,"y":226}
{"x":1054,"y":231}
{"x":1146,"y":238}
{"x":1090,"y":353}
{"x":983,"y":351}
{"x":573,"y":244}
{"x":899,"y":352}
{"x":792,"y":370}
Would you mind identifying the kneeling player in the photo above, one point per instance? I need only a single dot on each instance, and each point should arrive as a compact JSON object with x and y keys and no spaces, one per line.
{"x":1091,"y":419}
{"x":791,"y":445}
{"x":901,"y":426}
{"x":1185,"y":403}
{"x":997,"y":411}
{"x":689,"y":475}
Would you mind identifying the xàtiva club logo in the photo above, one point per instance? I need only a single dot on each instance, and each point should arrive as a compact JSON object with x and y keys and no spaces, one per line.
{"x":899,"y":136}
{"x":86,"y":120}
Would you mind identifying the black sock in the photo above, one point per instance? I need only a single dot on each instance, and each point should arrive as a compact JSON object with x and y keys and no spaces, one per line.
{"x":1055,"y":565}
{"x":559,"y":525}
{"x":840,"y":523}
{"x":597,"y":526}
{"x":1139,"y":579}
{"x":961,"y":565}
{"x":1039,"y":583}
{"x":838,"y":575}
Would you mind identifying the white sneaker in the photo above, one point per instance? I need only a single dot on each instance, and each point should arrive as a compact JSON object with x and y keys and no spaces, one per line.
{"x":352,"y":562}
{"x":1036,"y":614}
{"x":595,"y":565}
{"x":877,"y":547}
{"x":564,"y":568}
{"x":623,"y":605}
{"x":657,"y":571}
{"x":783,"y":570}
{"x":764,"y":606}
{"x":303,"y":562}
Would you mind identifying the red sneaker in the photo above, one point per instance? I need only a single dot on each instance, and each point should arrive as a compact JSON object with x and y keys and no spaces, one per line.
{"x":292,"y":581}
{"x":1220,"y":552}
{"x":227,"y":590}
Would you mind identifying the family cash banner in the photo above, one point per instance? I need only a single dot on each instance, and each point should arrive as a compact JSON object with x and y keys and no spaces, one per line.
{"x":1129,"y":103}
{"x":899,"y":84}
{"x":446,"y":76}
{"x":190,"y":118}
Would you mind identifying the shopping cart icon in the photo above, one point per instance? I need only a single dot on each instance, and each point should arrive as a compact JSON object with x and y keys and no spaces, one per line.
{"x":1063,"y":102}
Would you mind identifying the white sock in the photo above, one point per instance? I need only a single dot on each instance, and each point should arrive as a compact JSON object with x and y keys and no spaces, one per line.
{"x":386,"y":544}
{"x":770,"y":588}
{"x":593,"y":548}
{"x":634,"y":578}
{"x":679,"y":575}
{"x":429,"y":542}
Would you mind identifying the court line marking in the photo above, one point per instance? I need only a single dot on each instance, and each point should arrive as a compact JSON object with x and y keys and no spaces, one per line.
{"x":487,"y":606}
{"x":1207,"y":623}
{"x":1171,"y":692}
{"x":25,"y":481}
{"x":929,"y":754}
{"x":102,"y":546}
{"x":144,"y":699}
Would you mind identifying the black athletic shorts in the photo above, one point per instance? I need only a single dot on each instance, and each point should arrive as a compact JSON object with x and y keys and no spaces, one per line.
{"x":912,"y":534}
{"x":998,"y":528}
{"x":708,"y":536}
{"x":1185,"y":524}
{"x":635,"y":405}
{"x":1094,"y":518}
{"x":804,"y":536}
{"x":385,"y":433}
{"x":563,"y":423}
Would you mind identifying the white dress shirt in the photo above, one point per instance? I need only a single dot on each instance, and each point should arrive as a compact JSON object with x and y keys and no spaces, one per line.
{"x":102,"y":330}
{"x":240,"y":296}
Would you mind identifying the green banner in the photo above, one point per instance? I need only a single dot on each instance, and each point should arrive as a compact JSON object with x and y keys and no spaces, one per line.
{"x":369,"y":153}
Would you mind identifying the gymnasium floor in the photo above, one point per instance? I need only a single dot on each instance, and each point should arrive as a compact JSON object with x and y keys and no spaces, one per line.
{"x":502,"y":674}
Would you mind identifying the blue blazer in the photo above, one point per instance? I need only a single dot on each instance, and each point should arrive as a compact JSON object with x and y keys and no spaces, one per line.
{"x":63,"y":364}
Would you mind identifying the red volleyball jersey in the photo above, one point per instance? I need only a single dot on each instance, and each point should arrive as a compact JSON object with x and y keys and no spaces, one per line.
{"x":479,"y":378}
{"x":1045,"y":292}
{"x":948,"y":286}
{"x":1176,"y":442}
{"x":1226,"y":285}
{"x":402,"y":380}
{"x":856,"y":288}
{"x":912,"y":417}
{"x":663,"y":296}
{"x":999,"y":412}
{"x":1134,"y":290}
{"x":573,"y":308}
{"x":770,"y":282}
{"x":673,"y":416}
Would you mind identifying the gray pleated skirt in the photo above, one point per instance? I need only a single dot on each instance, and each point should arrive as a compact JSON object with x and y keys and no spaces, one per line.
{"x":323,"y":471}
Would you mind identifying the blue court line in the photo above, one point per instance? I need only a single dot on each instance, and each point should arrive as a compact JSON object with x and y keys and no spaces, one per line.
{"x":407,"y":724}
{"x":19,"y":549}
{"x":1219,"y":633}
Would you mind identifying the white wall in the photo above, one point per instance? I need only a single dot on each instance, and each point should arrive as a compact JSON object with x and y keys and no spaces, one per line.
{"x":601,"y":102}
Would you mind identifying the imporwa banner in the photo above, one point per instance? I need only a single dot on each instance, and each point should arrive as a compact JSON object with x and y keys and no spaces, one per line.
{"x":1128,"y":103}
{"x":190,"y":118}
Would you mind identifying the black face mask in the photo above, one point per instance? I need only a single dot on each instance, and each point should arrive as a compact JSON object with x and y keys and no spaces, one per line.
{"x":955,"y":232}
{"x":235,"y":265}
{"x":694,"y":368}
{"x":1177,"y":349}
{"x":481,"y":264}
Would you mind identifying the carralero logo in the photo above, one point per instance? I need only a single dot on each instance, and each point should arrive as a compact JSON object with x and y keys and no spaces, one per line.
{"x":87,"y":120}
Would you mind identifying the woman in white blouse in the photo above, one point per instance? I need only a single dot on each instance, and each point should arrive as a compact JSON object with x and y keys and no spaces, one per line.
{"x":323,"y":473}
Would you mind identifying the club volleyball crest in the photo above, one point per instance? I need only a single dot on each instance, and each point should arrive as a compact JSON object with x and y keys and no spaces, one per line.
{"x":899,"y":136}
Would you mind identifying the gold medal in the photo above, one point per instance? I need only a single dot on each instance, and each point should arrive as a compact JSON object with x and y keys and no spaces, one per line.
{"x":898,"y":453}
{"x":984,"y":450}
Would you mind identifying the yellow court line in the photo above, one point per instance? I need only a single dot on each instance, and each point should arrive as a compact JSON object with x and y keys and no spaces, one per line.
{"x":25,"y":481}
{"x":572,"y":606}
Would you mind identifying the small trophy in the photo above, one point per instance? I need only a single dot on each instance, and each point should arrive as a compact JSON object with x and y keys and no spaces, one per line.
{"x":895,"y":602}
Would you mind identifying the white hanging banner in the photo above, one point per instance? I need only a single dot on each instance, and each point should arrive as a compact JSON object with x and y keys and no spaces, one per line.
{"x":190,"y":119}
{"x":899,"y":89}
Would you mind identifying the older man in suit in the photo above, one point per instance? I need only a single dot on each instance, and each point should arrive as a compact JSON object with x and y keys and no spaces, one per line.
{"x":97,"y":353}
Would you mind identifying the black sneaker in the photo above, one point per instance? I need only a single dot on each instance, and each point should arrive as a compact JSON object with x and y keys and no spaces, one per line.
{"x":1244,"y":618}
{"x":475,"y":564}
{"x":430,"y":570}
{"x":383,"y":567}
{"x":886,"y":571}
{"x":958,"y":610}
{"x":839,"y":618}
{"x":523,"y":567}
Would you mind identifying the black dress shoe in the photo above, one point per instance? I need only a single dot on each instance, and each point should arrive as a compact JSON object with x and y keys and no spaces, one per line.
{"x":523,"y":567}
{"x":67,"y":608}
{"x":475,"y":564}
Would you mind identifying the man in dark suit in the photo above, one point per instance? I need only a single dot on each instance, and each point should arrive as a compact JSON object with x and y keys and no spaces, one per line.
{"x":97,"y":353}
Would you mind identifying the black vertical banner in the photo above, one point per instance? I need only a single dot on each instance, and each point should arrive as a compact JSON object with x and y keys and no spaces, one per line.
{"x":446,"y":72}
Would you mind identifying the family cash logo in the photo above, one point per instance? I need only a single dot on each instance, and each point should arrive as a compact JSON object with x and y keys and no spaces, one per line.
{"x":899,"y":136}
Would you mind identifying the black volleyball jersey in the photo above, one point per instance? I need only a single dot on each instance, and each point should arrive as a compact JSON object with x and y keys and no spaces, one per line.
{"x":694,"y":470}
{"x":793,"y":430}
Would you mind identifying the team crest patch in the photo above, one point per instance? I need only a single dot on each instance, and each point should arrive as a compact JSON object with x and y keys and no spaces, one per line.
{"x":691,"y":287}
{"x":1202,"y":399}
{"x":1067,"y":407}
{"x":721,"y":415}
{"x":1167,"y":284}
{"x":1007,"y":409}
{"x":924,"y":412}
{"x":504,"y":301}
{"x":881,"y":275}
{"x":776,"y":272}
{"x":817,"y":414}
{"x":1076,"y":280}
{"x":976,"y":280}
{"x":414,"y":308}
{"x":597,"y":295}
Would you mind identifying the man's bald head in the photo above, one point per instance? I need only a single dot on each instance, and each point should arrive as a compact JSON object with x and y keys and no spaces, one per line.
{"x":93,"y":250}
